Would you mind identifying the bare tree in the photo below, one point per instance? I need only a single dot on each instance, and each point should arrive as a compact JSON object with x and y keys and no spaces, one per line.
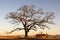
{"x":31,"y":18}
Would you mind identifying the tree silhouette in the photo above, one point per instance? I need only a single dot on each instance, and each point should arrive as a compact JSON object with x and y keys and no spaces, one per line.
{"x":31,"y":18}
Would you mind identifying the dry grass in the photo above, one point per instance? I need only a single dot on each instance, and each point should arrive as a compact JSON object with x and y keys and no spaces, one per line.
{"x":24,"y":38}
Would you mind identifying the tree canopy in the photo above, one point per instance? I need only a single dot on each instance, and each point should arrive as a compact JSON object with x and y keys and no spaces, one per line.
{"x":31,"y":17}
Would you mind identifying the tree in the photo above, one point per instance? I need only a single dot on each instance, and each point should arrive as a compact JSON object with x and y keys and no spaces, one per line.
{"x":31,"y":18}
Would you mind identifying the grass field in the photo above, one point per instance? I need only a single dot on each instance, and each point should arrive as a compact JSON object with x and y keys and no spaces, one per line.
{"x":27,"y":39}
{"x":30,"y":39}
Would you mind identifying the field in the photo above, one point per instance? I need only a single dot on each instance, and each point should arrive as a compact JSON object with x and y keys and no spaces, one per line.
{"x":28,"y":39}
{"x":23,"y":38}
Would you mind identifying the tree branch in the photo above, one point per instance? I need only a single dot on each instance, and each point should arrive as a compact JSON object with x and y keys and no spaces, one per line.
{"x":15,"y":30}
{"x":46,"y":26}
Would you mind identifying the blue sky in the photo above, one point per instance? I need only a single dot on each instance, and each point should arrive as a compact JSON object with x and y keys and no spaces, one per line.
{"x":7,"y":6}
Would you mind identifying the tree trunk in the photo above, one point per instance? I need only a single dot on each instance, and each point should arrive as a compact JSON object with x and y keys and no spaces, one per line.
{"x":26,"y":33}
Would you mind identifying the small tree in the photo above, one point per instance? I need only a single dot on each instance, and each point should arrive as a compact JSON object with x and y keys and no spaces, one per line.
{"x":31,"y":18}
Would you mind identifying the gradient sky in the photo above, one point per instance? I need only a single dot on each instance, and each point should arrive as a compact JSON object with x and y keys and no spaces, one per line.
{"x":7,"y":6}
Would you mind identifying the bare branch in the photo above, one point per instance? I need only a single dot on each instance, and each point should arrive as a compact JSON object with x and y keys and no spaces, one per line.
{"x":15,"y":30}
{"x":46,"y":26}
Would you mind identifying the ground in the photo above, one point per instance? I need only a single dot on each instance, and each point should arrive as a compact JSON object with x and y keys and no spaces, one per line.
{"x":29,"y":39}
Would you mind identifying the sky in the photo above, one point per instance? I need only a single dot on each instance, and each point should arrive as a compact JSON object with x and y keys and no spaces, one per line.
{"x":7,"y":6}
